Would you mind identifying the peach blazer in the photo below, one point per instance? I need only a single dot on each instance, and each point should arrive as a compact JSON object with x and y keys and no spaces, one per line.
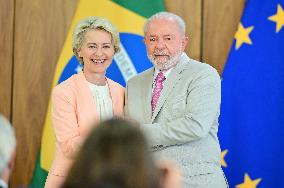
{"x":73,"y":114}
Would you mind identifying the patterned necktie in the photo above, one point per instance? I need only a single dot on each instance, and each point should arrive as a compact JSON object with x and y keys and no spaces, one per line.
{"x":157,"y":89}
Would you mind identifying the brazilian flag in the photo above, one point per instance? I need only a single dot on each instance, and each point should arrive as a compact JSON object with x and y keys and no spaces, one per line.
{"x":252,"y":109}
{"x":129,"y":17}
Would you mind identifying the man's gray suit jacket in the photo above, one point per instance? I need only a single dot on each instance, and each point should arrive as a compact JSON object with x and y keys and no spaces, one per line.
{"x":184,"y":125}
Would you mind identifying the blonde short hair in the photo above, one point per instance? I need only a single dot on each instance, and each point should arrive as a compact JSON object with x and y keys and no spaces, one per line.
{"x":93,"y":23}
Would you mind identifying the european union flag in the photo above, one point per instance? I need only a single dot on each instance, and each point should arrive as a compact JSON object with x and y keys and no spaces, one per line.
{"x":252,"y":109}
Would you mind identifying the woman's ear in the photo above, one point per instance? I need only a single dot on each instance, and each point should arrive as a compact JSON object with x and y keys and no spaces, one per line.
{"x":75,"y":51}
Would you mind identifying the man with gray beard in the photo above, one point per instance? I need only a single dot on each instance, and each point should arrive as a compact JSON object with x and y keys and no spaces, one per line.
{"x":177,"y":103}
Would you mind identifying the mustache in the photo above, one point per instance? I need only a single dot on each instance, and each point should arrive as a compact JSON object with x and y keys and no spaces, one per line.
{"x":160,"y":52}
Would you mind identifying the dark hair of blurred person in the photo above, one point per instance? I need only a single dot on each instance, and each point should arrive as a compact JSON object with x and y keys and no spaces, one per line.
{"x":115,"y":155}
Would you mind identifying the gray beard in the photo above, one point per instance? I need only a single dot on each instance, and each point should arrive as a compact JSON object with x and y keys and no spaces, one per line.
{"x":165,"y":65}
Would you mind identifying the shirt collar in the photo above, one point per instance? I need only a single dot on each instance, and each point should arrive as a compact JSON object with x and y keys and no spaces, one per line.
{"x":166,"y":73}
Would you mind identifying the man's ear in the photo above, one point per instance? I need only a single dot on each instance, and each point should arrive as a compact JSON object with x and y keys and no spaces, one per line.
{"x":185,"y":42}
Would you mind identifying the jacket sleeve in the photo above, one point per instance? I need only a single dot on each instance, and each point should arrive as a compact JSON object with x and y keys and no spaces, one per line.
{"x":202,"y":109}
{"x":64,"y":119}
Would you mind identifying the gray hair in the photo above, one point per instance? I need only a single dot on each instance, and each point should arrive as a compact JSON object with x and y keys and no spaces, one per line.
{"x":166,"y":16}
{"x":7,"y":143}
{"x":93,"y":23}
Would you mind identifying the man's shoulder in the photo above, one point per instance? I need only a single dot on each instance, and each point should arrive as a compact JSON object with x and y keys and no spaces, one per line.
{"x":194,"y":66}
{"x":141,"y":76}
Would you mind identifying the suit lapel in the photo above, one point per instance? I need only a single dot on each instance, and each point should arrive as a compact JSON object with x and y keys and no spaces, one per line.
{"x":170,"y":83}
{"x":114,"y":97}
{"x":146,"y":86}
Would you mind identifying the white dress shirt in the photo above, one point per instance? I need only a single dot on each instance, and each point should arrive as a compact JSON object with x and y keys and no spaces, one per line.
{"x":103,"y":100}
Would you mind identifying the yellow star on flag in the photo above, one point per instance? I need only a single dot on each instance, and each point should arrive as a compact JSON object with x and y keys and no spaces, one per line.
{"x":223,"y":154}
{"x":249,"y":183}
{"x":242,"y":36}
{"x":278,"y":18}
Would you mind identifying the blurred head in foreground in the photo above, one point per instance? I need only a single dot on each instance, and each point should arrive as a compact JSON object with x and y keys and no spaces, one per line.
{"x":115,"y":155}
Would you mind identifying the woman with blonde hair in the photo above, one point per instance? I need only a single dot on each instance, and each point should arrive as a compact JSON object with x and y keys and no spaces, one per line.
{"x":86,"y":97}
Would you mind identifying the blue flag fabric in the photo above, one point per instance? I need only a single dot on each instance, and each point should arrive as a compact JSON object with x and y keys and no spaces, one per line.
{"x":252,"y":109}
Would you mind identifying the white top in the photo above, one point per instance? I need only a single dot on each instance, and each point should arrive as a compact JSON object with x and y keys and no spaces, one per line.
{"x":103,"y":100}
{"x":3,"y":184}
